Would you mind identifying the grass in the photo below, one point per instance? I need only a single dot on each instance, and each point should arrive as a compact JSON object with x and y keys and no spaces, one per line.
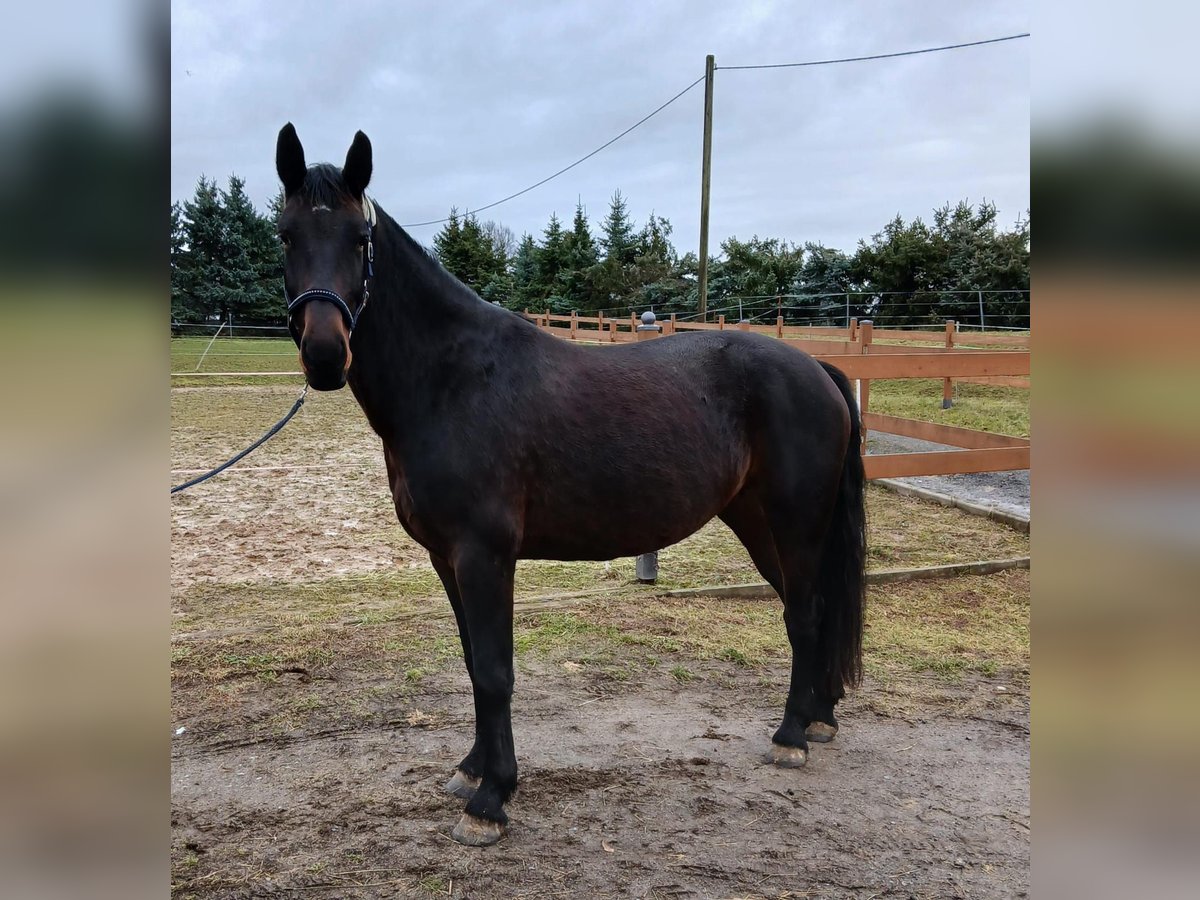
{"x":233,"y":355}
{"x":1001,"y":410}
{"x":921,"y":638}
{"x":903,"y":532}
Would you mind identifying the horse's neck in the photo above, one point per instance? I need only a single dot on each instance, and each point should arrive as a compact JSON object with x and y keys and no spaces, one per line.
{"x":416,"y":320}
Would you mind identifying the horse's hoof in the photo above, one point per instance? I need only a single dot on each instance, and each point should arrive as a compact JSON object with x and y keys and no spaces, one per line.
{"x":462,"y":785}
{"x":821,"y":732}
{"x":477,"y":832}
{"x":787,"y":757}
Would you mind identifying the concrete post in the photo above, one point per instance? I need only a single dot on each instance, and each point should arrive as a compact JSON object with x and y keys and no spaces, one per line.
{"x":649,"y":327}
{"x":646,"y":567}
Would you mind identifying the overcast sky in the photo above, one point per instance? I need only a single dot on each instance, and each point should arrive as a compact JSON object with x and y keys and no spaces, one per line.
{"x":468,"y":102}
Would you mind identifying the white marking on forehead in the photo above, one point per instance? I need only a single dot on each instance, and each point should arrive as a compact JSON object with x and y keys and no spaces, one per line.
{"x":321,"y":208}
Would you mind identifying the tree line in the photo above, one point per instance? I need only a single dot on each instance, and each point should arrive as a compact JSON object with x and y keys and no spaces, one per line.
{"x":225,"y":257}
{"x":225,"y":261}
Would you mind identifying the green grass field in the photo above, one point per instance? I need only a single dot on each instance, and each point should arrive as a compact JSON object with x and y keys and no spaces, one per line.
{"x":232,"y":355}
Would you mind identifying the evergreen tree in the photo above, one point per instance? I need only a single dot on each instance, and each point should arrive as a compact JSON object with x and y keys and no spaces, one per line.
{"x":577,"y":280}
{"x":476,"y":255}
{"x":183,"y":306}
{"x":254,"y":261}
{"x":654,"y":279}
{"x":619,"y":238}
{"x":614,"y":278}
{"x":754,"y":272}
{"x":202,"y":278}
{"x":979,"y":257}
{"x":525,"y":275}
{"x":827,"y":277}
{"x":552,"y":261}
{"x":447,"y":245}
{"x":904,"y":269}
{"x":224,"y":258}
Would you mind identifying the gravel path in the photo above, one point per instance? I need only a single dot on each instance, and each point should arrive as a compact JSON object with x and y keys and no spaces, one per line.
{"x":1005,"y":491}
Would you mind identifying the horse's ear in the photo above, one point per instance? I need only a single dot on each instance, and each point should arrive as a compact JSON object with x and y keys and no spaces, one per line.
{"x":357,"y":170}
{"x":289,"y":160}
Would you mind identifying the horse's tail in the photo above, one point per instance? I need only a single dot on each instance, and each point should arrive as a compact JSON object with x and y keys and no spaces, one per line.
{"x":841,"y":582}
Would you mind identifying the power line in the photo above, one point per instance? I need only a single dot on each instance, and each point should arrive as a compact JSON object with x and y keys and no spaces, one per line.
{"x":849,"y":59}
{"x":581,"y":159}
{"x":652,"y":114}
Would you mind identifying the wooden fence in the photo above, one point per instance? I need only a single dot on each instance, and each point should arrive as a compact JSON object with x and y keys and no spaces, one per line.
{"x":866,"y":354}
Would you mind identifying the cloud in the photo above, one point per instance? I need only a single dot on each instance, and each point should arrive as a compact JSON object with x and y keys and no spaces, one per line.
{"x":466,"y":103}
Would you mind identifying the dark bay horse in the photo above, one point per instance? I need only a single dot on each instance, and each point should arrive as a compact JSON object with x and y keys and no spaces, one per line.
{"x":495,"y":452}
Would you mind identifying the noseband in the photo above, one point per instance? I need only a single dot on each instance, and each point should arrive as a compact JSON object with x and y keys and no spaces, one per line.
{"x":349,"y":316}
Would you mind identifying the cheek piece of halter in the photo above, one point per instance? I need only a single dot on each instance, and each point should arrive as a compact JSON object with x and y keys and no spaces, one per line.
{"x":350,"y":317}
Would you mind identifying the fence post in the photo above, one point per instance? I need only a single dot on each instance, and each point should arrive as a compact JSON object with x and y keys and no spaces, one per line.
{"x":779,"y":326}
{"x":864,"y":389}
{"x":649,"y":328}
{"x":848,"y":310}
{"x":721,"y":323}
{"x":948,"y":383}
{"x":672,"y":323}
{"x":645,"y":567}
{"x":574,"y":323}
{"x":744,"y":325}
{"x":853,"y":336}
{"x":982,"y":324}
{"x":612,"y":332}
{"x":600,"y":326}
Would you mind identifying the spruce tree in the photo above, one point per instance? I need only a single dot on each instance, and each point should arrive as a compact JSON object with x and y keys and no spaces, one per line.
{"x":447,"y":244}
{"x":254,"y":262}
{"x":577,"y":278}
{"x":183,"y":305}
{"x":619,"y":238}
{"x":203,"y":278}
{"x":552,"y":261}
{"x":525,"y":275}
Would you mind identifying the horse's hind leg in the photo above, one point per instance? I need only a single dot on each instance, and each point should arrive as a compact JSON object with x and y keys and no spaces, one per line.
{"x":746,"y":518}
{"x":801,"y":616}
{"x":466,"y":776}
{"x":748,"y":522}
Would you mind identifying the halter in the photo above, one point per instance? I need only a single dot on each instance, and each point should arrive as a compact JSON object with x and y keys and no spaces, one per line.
{"x":350,"y":317}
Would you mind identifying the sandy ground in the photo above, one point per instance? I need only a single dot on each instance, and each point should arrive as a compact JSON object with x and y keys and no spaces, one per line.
{"x":653,"y":789}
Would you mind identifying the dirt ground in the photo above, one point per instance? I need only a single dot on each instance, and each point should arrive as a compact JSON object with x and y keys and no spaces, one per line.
{"x":647,"y":789}
{"x":319,"y":704}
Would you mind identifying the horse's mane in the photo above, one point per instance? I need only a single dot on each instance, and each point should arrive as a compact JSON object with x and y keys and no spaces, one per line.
{"x":323,"y":185}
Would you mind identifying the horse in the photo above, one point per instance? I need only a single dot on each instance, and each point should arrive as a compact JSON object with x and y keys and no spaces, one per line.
{"x":495,"y":453}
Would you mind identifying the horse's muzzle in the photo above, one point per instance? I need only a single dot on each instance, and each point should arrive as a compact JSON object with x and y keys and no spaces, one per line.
{"x":325,"y":361}
{"x":324,"y":343}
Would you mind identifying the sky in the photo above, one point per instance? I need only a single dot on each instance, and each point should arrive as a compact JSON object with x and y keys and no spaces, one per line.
{"x":466,"y":103}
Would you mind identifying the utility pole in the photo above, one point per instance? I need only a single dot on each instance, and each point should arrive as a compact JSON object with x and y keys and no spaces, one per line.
{"x":705,"y":173}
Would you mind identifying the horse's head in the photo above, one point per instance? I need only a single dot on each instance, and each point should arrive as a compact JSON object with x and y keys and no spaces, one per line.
{"x":326,"y":228}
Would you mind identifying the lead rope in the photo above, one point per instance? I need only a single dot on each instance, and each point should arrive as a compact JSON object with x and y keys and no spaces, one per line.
{"x":368,"y":272}
{"x":274,"y":429}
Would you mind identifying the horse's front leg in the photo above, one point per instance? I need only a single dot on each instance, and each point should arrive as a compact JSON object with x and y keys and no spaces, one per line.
{"x":485,"y":585}
{"x":466,"y":776}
